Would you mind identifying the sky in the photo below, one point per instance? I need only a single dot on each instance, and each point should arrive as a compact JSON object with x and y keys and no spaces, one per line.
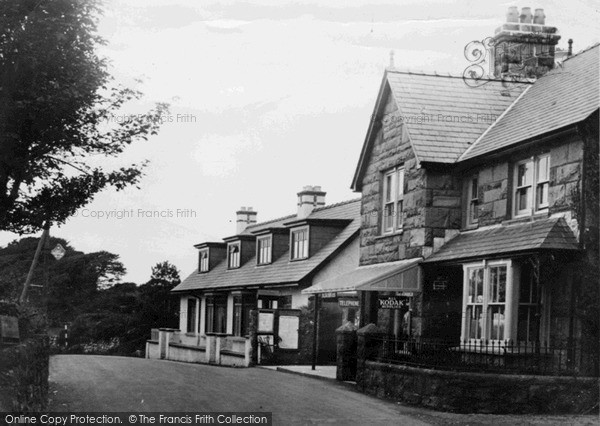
{"x":266,"y":97}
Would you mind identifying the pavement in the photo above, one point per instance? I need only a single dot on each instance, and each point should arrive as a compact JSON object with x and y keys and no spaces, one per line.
{"x":119,"y":384}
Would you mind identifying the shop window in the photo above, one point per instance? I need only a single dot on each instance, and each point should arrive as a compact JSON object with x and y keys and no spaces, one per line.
{"x":485,"y":303}
{"x":216,"y":314}
{"x":241,"y":314}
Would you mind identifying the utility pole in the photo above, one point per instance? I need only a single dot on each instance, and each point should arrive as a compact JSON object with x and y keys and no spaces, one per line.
{"x":36,"y":258}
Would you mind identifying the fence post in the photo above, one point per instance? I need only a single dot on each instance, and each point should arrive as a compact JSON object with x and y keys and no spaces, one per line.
{"x":346,"y":352}
{"x":366,"y":349}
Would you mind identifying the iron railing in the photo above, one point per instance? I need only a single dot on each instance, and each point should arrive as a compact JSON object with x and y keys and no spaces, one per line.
{"x":507,"y":357}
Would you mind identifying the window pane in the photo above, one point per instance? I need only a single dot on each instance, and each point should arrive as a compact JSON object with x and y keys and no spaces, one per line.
{"x":400,"y":185}
{"x":542,"y":169}
{"x":476,"y":286}
{"x":388,"y":188}
{"x":399,"y":215}
{"x":542,"y":195}
{"x":474,"y":189}
{"x":522,"y":199}
{"x":388,"y":217}
{"x":524,"y":174}
{"x":497,"y":292}
{"x":474,"y":322}
{"x":496,"y":322}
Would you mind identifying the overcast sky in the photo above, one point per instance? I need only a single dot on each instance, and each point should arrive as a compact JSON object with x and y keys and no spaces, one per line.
{"x":266,"y":97}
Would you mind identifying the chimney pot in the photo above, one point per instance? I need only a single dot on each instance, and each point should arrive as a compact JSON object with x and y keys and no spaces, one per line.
{"x":526,"y":16}
{"x":244,"y":218}
{"x":570,"y":52}
{"x":513,"y":14}
{"x":308,"y":199}
{"x":539,"y":17}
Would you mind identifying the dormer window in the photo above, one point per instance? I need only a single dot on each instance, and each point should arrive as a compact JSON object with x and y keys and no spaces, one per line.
{"x":233,"y":255}
{"x":264,"y":250}
{"x":203,"y":260}
{"x":299,"y":244}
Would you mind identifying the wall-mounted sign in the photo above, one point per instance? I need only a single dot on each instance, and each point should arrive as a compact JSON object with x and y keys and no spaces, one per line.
{"x":266,"y":322}
{"x":393,"y":302}
{"x":440,"y":284}
{"x":9,"y":327}
{"x":288,"y":332}
{"x":348,"y":303}
{"x":329,"y":295}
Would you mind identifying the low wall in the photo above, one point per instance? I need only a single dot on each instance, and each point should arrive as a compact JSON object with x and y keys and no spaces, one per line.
{"x":479,"y":392}
{"x":184,"y":353}
{"x":152,"y":349}
{"x":24,"y":375}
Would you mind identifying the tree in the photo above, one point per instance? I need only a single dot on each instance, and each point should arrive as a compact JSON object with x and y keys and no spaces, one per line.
{"x":57,"y":109}
{"x":164,"y":274}
{"x":70,"y":282}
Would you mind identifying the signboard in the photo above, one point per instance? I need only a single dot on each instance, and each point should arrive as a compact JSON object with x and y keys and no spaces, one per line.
{"x":329,"y":295}
{"x":440,"y":284}
{"x":348,"y":303}
{"x":9,"y":327}
{"x":393,"y":302}
{"x":265,"y":322}
{"x":288,"y":332}
{"x":58,"y":252}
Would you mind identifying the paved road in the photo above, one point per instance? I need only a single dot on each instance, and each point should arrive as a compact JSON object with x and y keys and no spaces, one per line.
{"x":97,"y":383}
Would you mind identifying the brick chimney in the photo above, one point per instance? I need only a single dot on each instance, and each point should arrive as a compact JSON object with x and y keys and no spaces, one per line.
{"x":245,"y":217}
{"x":308,"y":199}
{"x":524,"y":45}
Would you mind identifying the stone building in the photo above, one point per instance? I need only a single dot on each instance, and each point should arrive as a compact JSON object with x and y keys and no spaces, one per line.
{"x":263,"y":268}
{"x":480,"y":205}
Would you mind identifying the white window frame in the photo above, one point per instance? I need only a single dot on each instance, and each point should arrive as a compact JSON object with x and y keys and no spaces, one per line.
{"x":538,"y":185}
{"x":473,"y":201}
{"x":302,"y":250}
{"x":203,"y":256}
{"x":392,"y":199}
{"x":485,"y":303}
{"x":234,"y":257}
{"x":264,"y":254}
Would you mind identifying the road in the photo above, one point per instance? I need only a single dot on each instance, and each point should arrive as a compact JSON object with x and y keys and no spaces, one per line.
{"x":111,"y":384}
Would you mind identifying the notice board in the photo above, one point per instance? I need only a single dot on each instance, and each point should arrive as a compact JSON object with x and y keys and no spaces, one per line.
{"x":266,"y":322}
{"x":288,"y":331}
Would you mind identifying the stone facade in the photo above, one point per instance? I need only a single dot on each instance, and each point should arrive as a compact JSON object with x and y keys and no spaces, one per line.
{"x":431,"y":199}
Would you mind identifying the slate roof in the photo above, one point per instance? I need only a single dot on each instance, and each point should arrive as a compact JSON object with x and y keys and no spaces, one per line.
{"x":566,"y":95}
{"x":442,"y":114}
{"x":362,"y":276}
{"x":552,"y":233}
{"x":281,"y":271}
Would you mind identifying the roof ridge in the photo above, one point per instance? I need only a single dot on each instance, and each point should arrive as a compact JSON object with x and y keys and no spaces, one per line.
{"x":494,"y":123}
{"x":587,"y":49}
{"x":271,"y":221}
{"x":447,"y":75}
{"x":341,"y":203}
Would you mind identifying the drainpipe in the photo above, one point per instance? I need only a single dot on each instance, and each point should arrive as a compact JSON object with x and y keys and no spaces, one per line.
{"x":315,"y":332}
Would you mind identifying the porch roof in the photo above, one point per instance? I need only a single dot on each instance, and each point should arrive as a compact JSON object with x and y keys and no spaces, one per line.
{"x":390,"y":276}
{"x":552,"y":233}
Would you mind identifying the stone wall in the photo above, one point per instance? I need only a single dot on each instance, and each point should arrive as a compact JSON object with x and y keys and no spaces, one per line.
{"x":479,"y":392}
{"x":431,"y":199}
{"x":496,"y":186}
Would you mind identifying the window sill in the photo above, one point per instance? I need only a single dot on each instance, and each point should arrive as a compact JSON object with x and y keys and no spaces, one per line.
{"x":527,"y":218}
{"x":391,"y":234}
{"x":299,"y":259}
